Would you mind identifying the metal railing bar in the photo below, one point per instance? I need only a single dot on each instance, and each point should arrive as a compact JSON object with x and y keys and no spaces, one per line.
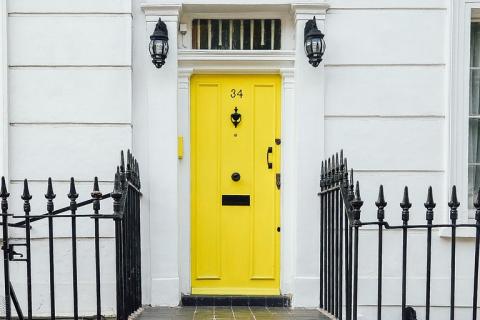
{"x":58,"y":211}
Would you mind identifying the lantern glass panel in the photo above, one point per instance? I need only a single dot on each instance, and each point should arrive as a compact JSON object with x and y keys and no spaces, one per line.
{"x":308,"y":46}
{"x":165,"y":48}
{"x":150,"y":47}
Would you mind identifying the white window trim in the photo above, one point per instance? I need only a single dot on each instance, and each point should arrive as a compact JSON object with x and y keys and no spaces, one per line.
{"x":458,"y":110}
{"x":3,"y":91}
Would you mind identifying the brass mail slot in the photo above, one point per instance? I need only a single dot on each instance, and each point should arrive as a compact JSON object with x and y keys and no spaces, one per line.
{"x":235,"y":200}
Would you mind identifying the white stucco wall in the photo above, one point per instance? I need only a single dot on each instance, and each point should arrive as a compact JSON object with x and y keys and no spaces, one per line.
{"x":69,"y":108}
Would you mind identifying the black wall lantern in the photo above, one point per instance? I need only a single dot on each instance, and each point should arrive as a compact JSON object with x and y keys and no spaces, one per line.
{"x":314,"y":43}
{"x":159,"y":44}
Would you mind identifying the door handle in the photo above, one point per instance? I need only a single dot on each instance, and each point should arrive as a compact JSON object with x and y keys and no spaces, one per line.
{"x":269,"y":151}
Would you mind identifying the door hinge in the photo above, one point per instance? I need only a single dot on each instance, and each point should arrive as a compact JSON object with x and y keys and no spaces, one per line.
{"x":278,"y":180}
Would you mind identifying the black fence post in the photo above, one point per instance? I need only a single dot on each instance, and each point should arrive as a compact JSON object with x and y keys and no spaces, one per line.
{"x":356,"y":204}
{"x":97,"y":195}
{"x":429,"y":205}
{"x":453,"y":204}
{"x":381,"y":204}
{"x":117,"y":195}
{"x":50,"y":196}
{"x":6,"y":247}
{"x":73,"y":195}
{"x":405,"y":205}
{"x":26,"y":197}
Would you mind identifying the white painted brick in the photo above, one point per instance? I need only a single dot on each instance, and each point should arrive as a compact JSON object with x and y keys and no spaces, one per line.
{"x":385,"y":37}
{"x":385,"y":90}
{"x":70,"y":40}
{"x":85,"y":95}
{"x":388,"y":144}
{"x":63,"y":151}
{"x":68,"y":6}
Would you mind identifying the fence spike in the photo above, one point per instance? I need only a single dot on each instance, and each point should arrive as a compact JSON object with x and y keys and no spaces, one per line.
{"x":138,"y":176}
{"x":328,"y":173}
{"x":357,"y":192}
{"x":50,"y":195}
{"x":476,"y":204}
{"x":453,"y":199}
{"x":26,"y":192}
{"x":357,"y":203}
{"x":117,"y":184}
{"x":96,"y":188}
{"x":72,"y":194}
{"x":341,"y":156}
{"x":381,"y":204}
{"x":3,"y":191}
{"x":405,"y":205}
{"x":322,"y":176}
{"x":430,"y":205}
{"x":337,"y":169}
{"x":129,"y":161}
{"x":122,"y":162}
{"x":453,"y":204}
{"x":345,"y":172}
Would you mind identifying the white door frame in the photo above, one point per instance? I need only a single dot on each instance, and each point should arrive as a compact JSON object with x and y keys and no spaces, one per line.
{"x":210,"y":63}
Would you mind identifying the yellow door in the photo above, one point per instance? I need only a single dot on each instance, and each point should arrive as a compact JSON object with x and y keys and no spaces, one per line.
{"x":235,"y":188}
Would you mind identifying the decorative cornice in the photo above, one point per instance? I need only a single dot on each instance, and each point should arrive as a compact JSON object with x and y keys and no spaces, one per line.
{"x":172,"y":9}
{"x":305,"y":11}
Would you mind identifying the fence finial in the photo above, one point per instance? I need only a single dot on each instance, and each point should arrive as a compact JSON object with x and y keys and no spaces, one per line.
{"x":117,"y":188}
{"x":453,"y":204}
{"x":3,"y":191}
{"x":337,"y":169}
{"x":405,"y":205}
{"x":26,"y":193}
{"x":96,"y":194}
{"x":345,"y":172}
{"x":357,"y":203}
{"x":430,"y":205}
{"x":381,"y":204}
{"x":322,"y":177}
{"x":72,"y":194}
{"x":122,"y":161}
{"x":50,"y":195}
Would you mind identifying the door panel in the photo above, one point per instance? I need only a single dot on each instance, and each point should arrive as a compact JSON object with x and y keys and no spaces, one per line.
{"x":235,"y":246}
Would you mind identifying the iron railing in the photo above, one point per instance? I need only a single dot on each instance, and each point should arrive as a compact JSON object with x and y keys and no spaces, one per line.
{"x":126,"y":216}
{"x":340,"y":222}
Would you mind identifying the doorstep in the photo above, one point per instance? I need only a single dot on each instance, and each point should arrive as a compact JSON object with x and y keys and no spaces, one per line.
{"x":223,"y":300}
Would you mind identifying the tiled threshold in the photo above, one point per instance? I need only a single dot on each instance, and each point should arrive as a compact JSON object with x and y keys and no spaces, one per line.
{"x":252,"y":301}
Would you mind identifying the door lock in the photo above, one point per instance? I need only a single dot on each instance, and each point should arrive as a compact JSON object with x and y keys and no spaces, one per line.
{"x":235,"y":176}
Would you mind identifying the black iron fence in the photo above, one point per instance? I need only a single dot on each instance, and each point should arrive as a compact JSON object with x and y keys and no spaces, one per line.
{"x":340,"y":222}
{"x":126,"y":217}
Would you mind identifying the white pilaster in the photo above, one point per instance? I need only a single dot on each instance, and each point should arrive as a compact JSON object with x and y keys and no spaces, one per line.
{"x":184,"y":178}
{"x":3,"y":91}
{"x":288,"y":197}
{"x":309,"y":120}
{"x":163,"y":163}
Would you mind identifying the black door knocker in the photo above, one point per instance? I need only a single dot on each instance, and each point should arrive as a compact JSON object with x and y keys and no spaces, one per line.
{"x":236,"y":117}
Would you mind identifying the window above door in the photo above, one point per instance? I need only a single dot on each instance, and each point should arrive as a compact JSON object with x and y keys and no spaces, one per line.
{"x":236,"y":34}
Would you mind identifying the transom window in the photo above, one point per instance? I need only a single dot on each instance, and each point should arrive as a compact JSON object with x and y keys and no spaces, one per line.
{"x":236,"y":34}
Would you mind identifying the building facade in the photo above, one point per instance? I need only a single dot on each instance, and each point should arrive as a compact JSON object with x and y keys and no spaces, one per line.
{"x":397,"y":91}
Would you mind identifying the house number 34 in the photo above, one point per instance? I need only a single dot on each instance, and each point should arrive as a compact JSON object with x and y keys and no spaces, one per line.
{"x":234,"y":93}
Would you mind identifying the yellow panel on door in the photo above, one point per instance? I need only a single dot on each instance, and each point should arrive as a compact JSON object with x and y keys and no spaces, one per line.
{"x":235,"y":200}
